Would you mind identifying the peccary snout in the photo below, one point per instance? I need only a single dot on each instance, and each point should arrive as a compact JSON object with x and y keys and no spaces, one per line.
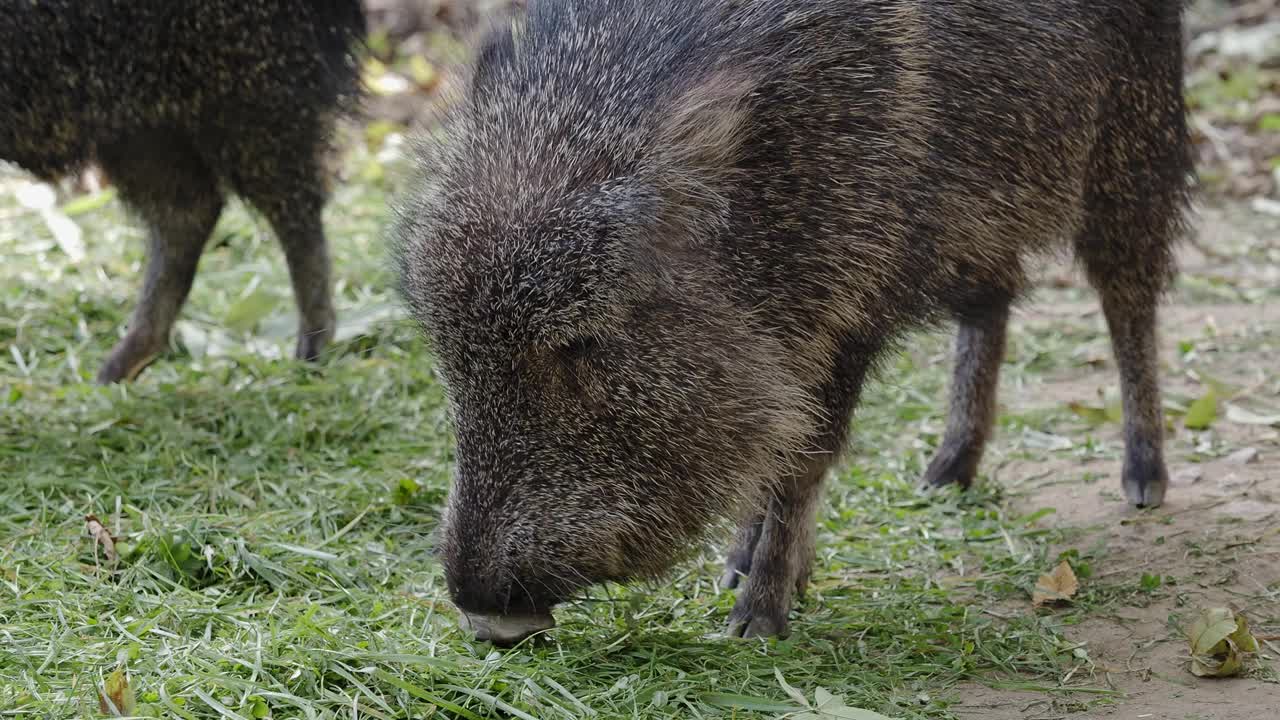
{"x":488,"y":582}
{"x":499,"y":606}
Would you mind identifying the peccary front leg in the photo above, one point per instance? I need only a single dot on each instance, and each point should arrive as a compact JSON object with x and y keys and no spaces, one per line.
{"x":979,"y":349}
{"x":737,"y":564}
{"x":783,"y":556}
{"x":781,"y":546}
{"x":178,"y":197}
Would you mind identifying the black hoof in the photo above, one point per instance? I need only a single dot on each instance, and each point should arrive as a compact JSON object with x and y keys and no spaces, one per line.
{"x":1145,"y":483}
{"x":128,"y":359}
{"x":311,"y":344}
{"x":953,"y":465}
{"x":748,"y":623}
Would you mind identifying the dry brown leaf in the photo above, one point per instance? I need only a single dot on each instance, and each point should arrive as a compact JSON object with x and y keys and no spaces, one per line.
{"x":101,"y":536}
{"x":116,"y":699}
{"x":1058,"y":586}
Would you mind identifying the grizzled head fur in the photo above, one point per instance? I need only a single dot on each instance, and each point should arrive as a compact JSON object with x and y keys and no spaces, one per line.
{"x":611,"y":400}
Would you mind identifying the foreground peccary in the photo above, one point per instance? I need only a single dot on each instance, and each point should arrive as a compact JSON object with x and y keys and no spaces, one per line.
{"x":662,"y":243}
{"x":180,"y":102}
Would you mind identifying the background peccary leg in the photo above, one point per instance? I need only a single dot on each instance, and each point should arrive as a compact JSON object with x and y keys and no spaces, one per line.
{"x":979,"y":350}
{"x":302,"y":236}
{"x":782,"y":558}
{"x":177,"y":195}
{"x":1126,"y":251}
{"x":1133,"y":339}
{"x":290,"y":193}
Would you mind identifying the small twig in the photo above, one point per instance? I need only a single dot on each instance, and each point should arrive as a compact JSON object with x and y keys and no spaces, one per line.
{"x":1198,"y":244}
{"x":1216,"y":139}
{"x":1244,"y":14}
{"x":345,"y":528}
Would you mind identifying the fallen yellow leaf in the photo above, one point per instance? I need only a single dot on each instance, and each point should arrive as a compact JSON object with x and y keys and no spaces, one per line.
{"x":423,"y":73}
{"x":1058,"y":586}
{"x":1203,"y":411}
{"x":1219,"y":639}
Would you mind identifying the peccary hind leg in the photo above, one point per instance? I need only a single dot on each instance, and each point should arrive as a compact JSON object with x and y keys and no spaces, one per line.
{"x":979,"y":349}
{"x":177,"y":195}
{"x":1133,"y":338}
{"x":1134,"y":205}
{"x":305,"y":249}
{"x":780,"y":544}
{"x":289,"y":191}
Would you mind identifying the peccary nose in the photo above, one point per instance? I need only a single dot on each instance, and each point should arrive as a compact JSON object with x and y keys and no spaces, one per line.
{"x":497,"y":609}
{"x":497,"y":592}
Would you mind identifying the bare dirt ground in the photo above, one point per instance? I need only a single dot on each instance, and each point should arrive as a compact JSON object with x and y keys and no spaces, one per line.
{"x":1217,"y":537}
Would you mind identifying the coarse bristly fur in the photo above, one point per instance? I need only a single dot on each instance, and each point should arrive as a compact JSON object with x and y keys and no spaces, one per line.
{"x":659,"y":245}
{"x":179,"y":103}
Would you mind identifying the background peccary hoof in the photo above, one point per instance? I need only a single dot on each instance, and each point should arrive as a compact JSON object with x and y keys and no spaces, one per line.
{"x":505,"y":630}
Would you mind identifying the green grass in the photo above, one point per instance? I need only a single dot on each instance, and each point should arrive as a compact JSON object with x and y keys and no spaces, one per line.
{"x":275,"y":519}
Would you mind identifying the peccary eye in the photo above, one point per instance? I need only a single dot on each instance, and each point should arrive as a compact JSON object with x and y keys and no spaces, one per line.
{"x":579,"y":347}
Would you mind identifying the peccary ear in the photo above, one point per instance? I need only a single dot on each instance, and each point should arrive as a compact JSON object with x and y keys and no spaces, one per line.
{"x":497,"y":48}
{"x":699,"y":140}
{"x":707,"y":123}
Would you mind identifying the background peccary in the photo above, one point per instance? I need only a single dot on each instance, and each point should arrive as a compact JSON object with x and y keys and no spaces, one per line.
{"x":664,"y":242}
{"x":180,"y":102}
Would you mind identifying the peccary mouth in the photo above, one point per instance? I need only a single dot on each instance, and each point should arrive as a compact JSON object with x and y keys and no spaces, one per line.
{"x":506,"y":630}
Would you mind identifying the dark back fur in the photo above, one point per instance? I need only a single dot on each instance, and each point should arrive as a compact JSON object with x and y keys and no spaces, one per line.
{"x":75,"y":74}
